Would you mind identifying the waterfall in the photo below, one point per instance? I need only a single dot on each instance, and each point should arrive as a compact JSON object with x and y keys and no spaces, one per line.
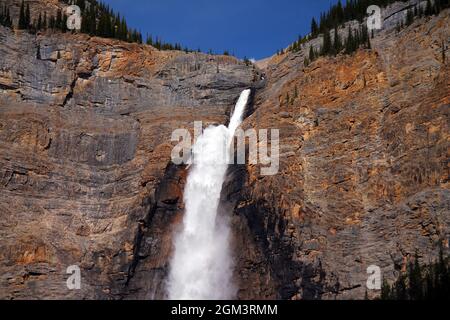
{"x":201,"y":267}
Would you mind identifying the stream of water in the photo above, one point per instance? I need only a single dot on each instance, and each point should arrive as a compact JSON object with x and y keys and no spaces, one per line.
{"x":201,"y":267}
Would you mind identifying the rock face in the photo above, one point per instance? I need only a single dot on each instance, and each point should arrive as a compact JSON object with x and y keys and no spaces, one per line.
{"x":86,"y":177}
{"x":85,"y":139}
{"x":364,"y":176}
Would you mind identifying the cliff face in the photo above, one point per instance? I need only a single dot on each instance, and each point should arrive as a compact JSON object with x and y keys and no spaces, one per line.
{"x":86,"y":177}
{"x":364,"y":176}
{"x":85,"y":139}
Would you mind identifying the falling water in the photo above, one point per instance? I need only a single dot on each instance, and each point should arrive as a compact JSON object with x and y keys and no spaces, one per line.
{"x":201,"y":267}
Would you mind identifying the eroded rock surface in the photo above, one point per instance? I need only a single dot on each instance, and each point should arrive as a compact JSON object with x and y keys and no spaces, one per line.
{"x":85,"y":139}
{"x":364,"y":176}
{"x":86,"y":177}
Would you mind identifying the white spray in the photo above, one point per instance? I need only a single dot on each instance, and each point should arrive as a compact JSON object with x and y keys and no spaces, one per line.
{"x":201,"y":267}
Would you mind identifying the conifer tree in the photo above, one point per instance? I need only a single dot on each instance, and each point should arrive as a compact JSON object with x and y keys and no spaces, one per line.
{"x":150,"y":40}
{"x":430,"y":282}
{"x":5,"y":17}
{"x":27,"y":17}
{"x":314,"y":27}
{"x":400,"y":288}
{"x":92,"y":21}
{"x":337,"y":45}
{"x":306,"y":62}
{"x":443,"y":52}
{"x":428,"y":8}
{"x":8,"y":22}
{"x":350,"y":42}
{"x":98,"y":19}
{"x":52,"y":23}
{"x":63,"y":25}
{"x":409,"y":17}
{"x":385,"y":291}
{"x":85,"y":21}
{"x":326,"y":47}
{"x":39,"y":22}
{"x":81,"y":4}
{"x":312,"y":55}
{"x":415,"y":280}
{"x":58,"y":20}
{"x":22,"y":19}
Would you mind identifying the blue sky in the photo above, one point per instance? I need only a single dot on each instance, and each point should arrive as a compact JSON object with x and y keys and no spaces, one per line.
{"x":247,"y":28}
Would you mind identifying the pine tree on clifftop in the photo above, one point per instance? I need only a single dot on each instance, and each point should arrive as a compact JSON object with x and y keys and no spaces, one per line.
{"x":22,"y":19}
{"x":5,"y":17}
{"x":312,"y":54}
{"x":314,"y":27}
{"x":326,"y":47}
{"x":39,"y":22}
{"x":337,"y":45}
{"x":27,"y":16}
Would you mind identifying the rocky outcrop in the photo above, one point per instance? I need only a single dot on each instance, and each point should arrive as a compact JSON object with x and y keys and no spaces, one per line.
{"x":364,"y":176}
{"x":85,"y":139}
{"x":86,"y":177}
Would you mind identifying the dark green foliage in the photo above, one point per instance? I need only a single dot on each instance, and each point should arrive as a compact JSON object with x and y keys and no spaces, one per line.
{"x":415,"y":287}
{"x":58,"y":20}
{"x":52,"y":22}
{"x":350,"y":43}
{"x":409,"y":17}
{"x":297,"y":45}
{"x":428,"y":8}
{"x":385,"y":291}
{"x":428,"y":282}
{"x":81,"y":4}
{"x":27,"y":17}
{"x":39,"y":22}
{"x":357,"y":38}
{"x":326,"y":46}
{"x":353,"y":10}
{"x":431,"y":8}
{"x":444,"y":49}
{"x":339,"y":14}
{"x":337,"y":43}
{"x":306,"y":62}
{"x":161,"y":45}
{"x":5,"y":17}
{"x":314,"y":27}
{"x":22,"y":19}
{"x":312,"y":54}
{"x":98,"y":19}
